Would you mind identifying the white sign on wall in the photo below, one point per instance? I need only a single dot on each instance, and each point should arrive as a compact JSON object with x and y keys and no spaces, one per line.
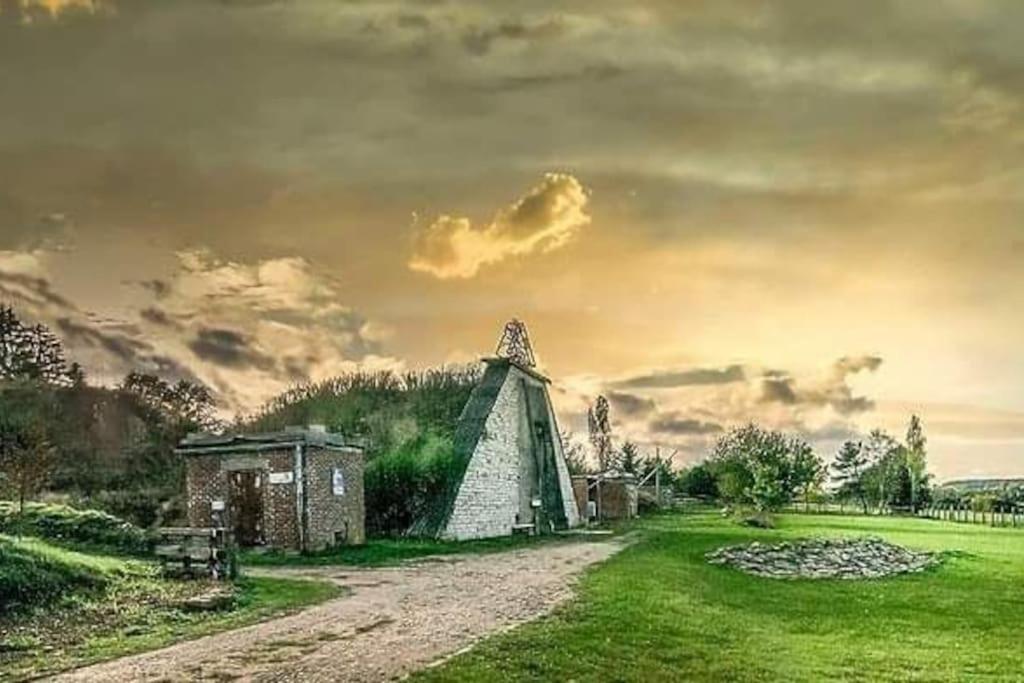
{"x":338,"y":481}
{"x":282,"y":477}
{"x":217,"y":505}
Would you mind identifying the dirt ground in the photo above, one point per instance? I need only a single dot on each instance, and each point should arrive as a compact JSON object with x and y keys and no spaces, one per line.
{"x":394,"y":621}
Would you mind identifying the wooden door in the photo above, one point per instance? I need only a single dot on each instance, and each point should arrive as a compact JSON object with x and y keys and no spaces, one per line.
{"x":246,"y":496}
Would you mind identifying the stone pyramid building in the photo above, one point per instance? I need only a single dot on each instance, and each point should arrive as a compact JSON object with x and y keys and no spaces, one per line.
{"x":511,"y":472}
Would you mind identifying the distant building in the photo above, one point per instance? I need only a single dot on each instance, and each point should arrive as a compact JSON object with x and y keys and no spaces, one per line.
{"x":512,"y":474}
{"x":300,"y":489}
{"x":607,"y":496}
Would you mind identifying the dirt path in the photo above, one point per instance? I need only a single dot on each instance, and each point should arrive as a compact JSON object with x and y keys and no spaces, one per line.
{"x":396,"y":620}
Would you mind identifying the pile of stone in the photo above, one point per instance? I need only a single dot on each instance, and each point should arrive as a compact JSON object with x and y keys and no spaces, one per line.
{"x":857,"y":558}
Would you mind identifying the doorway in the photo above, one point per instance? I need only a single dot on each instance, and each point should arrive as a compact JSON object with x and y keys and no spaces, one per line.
{"x":245,"y":493}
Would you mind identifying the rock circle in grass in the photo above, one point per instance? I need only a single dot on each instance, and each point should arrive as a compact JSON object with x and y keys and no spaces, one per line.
{"x":856,"y":558}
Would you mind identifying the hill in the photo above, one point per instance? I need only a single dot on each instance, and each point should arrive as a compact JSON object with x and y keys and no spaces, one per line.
{"x":983,"y":484}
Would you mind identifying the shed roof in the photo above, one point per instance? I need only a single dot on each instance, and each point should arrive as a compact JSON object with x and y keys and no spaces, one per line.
{"x":206,"y":444}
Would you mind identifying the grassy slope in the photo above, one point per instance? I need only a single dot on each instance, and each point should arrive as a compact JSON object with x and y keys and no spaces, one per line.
{"x":103,"y":607}
{"x":659,"y":612}
{"x":381,"y":552}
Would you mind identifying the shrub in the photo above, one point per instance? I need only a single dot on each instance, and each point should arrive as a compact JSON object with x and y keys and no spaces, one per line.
{"x":401,"y":484}
{"x":71,"y":526}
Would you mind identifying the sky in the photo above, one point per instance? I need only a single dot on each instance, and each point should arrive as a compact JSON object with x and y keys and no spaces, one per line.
{"x":805,"y":214}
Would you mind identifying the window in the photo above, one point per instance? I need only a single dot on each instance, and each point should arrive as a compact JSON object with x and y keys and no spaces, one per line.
{"x":338,"y":481}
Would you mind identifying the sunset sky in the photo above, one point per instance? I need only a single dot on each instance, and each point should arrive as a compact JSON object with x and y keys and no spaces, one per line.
{"x":807,"y":214}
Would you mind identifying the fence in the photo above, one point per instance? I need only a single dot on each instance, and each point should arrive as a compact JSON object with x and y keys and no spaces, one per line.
{"x":1011,"y":515}
{"x":1002,"y":515}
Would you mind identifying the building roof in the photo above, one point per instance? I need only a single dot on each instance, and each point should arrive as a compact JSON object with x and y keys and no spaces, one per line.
{"x":205,"y":444}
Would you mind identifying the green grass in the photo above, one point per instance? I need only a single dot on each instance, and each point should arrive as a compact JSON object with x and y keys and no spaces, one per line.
{"x":659,"y":612}
{"x":97,"y":607}
{"x":75,"y":528}
{"x":381,"y":552}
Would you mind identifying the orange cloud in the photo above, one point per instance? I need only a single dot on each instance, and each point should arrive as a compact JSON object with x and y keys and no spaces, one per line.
{"x":545,"y":219}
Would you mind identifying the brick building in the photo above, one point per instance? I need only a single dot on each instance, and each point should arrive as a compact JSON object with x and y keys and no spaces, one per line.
{"x":301,"y":489}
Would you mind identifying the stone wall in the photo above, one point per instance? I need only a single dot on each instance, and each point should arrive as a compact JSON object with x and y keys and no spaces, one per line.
{"x":488,"y":501}
{"x":335,"y":518}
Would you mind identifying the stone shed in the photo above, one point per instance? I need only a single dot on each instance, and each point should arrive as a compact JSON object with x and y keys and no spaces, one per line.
{"x":512,"y":476}
{"x":301,"y":489}
{"x":607,"y":496}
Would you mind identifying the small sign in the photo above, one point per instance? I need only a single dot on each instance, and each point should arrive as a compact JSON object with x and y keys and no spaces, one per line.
{"x":282,"y":477}
{"x":338,"y":482}
{"x":217,"y":505}
{"x":536,"y":503}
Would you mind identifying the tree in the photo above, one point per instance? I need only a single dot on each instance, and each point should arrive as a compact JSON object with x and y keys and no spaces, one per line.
{"x":698,"y":481}
{"x":26,"y":455}
{"x":848,"y":469}
{"x":629,"y":458}
{"x":763,"y":468}
{"x":601,"y":433}
{"x":30,"y":352}
{"x":916,"y":461}
{"x":808,"y":471}
{"x":880,"y":479}
{"x":575,"y":454}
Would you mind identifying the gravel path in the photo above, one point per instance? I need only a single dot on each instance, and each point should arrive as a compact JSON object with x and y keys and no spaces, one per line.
{"x":395,"y":620}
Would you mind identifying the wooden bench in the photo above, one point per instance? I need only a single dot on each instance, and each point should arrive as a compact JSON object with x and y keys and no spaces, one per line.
{"x":194,"y":552}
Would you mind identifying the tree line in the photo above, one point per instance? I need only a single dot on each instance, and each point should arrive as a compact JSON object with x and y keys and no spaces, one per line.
{"x":113,"y":447}
{"x":767,"y":470}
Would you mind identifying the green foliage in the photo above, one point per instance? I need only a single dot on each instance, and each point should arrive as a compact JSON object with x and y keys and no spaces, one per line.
{"x":629,"y":458}
{"x":62,"y":609}
{"x":697,"y":481}
{"x":764,"y":469}
{"x":70,"y":526}
{"x":384,"y":408}
{"x":401,"y":485}
{"x":26,"y":456}
{"x":34,"y":574}
{"x":848,"y":469}
{"x":896,"y":475}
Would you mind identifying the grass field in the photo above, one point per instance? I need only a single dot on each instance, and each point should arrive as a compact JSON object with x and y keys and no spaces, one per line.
{"x":659,"y":612}
{"x":63,"y":609}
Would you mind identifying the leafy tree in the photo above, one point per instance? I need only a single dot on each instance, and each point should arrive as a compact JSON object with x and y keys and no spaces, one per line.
{"x":848,"y":469}
{"x":30,"y":352}
{"x":808,"y":472}
{"x":916,"y":461}
{"x":880,"y":478}
{"x":698,"y":481}
{"x":763,"y":468}
{"x":629,"y":458}
{"x":26,"y":455}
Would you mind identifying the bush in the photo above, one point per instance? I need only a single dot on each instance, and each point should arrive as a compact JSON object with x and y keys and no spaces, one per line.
{"x":70,"y":526}
{"x":401,"y":484}
{"x":32,"y":574}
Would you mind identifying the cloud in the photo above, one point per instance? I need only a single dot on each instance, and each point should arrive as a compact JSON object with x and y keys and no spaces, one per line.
{"x":545,"y":219}
{"x":673,"y":423}
{"x":229,"y":348}
{"x":833,"y":391}
{"x":630,"y":405}
{"x":478,"y":41}
{"x":669,"y":379}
